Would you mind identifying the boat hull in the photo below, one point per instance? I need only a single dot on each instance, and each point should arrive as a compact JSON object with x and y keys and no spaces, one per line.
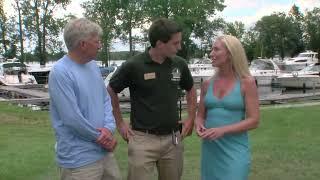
{"x":305,"y":82}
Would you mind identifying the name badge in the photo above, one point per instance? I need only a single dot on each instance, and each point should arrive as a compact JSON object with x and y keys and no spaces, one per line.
{"x":148,"y":76}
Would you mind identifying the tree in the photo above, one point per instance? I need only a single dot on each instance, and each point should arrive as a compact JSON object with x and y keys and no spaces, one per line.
{"x":132,"y":15}
{"x":235,"y":29}
{"x":250,"y":44}
{"x":297,"y":19}
{"x":104,"y":12}
{"x":20,"y":23}
{"x":40,"y":24}
{"x":277,"y":34}
{"x":3,"y":24}
{"x":312,"y":29}
{"x":8,"y":36}
{"x":193,"y":16}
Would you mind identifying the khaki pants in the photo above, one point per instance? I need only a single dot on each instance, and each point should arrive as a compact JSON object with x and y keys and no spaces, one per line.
{"x":104,"y":169}
{"x":147,"y":151}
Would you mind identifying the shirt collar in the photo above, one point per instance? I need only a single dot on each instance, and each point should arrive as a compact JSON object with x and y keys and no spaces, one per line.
{"x":148,"y":59}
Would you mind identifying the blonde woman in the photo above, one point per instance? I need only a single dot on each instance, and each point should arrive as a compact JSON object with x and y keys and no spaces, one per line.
{"x":229,"y":107}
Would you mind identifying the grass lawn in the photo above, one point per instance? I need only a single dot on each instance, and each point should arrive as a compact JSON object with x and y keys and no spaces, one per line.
{"x":286,"y":146}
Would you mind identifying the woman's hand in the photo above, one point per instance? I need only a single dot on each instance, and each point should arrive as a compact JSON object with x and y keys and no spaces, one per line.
{"x":213,"y":133}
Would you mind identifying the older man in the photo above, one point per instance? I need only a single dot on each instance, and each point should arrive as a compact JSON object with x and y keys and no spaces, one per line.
{"x":80,"y":107}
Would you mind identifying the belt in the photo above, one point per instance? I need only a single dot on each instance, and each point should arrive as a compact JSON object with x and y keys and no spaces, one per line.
{"x":157,"y":131}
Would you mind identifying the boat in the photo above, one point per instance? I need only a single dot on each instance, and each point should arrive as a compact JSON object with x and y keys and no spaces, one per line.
{"x":201,"y":70}
{"x":15,"y":74}
{"x":301,"y":61}
{"x":105,"y":71}
{"x":40,"y":73}
{"x":264,"y":71}
{"x":307,"y":78}
{"x":124,"y":93}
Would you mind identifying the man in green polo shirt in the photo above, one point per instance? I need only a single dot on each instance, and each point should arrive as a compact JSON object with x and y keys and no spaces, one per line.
{"x":155,"y":79}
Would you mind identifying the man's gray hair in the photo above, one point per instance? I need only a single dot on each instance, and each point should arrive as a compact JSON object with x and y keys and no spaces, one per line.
{"x":79,"y":29}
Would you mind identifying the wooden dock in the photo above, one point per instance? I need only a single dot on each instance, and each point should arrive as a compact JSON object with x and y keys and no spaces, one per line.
{"x":287,"y":98}
{"x":38,"y":95}
{"x":24,"y":94}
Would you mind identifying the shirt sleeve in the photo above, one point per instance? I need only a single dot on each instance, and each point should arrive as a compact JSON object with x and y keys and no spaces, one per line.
{"x":109,"y":121}
{"x":62,"y":95}
{"x":186,"y":82}
{"x":121,"y":78}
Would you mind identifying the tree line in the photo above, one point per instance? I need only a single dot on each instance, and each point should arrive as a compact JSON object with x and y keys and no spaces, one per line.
{"x":32,"y":32}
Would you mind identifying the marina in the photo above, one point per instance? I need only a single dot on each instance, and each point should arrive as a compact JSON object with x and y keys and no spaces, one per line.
{"x":270,"y":76}
{"x":37,"y":95}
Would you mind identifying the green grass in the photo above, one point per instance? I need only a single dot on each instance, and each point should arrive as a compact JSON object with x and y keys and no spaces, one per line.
{"x":286,"y":146}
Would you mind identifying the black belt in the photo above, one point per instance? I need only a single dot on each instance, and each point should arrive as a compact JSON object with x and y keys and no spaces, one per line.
{"x":156,"y":131}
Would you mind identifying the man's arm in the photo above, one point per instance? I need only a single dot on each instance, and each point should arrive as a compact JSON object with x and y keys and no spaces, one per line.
{"x":63,"y":99}
{"x":109,"y":120}
{"x":105,"y":139}
{"x":123,"y":127}
{"x":191,"y":105}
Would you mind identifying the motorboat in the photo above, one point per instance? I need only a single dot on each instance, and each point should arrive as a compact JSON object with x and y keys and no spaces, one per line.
{"x":309,"y":77}
{"x":264,"y":71}
{"x":15,"y":74}
{"x":124,"y":93}
{"x":201,"y":70}
{"x":40,"y":73}
{"x":301,"y":61}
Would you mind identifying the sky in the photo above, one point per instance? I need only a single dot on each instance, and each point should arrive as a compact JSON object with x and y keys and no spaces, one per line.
{"x":246,"y":11}
{"x":250,"y":11}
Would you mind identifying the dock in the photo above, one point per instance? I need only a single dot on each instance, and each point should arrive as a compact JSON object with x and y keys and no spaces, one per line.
{"x":287,"y":98}
{"x":38,"y":95}
{"x":34,"y":94}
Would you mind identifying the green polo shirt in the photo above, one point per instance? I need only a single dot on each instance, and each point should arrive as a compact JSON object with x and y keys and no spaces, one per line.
{"x":154,"y":90}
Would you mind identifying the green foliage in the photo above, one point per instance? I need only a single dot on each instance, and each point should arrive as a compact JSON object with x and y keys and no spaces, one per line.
{"x":104,"y":12}
{"x":132,"y":15}
{"x":236,"y":29}
{"x":312,"y":29}
{"x":42,"y":28}
{"x":278,"y":34}
{"x":250,"y":44}
{"x":195,"y":17}
{"x":281,"y":33}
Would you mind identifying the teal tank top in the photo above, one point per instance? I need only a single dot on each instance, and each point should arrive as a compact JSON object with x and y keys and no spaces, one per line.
{"x":227,"y":157}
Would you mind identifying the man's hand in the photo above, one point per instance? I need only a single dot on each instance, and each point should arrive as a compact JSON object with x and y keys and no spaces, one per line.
{"x":110,"y":145}
{"x":125,"y":131}
{"x":200,"y":129}
{"x":106,"y":140}
{"x":187,"y":127}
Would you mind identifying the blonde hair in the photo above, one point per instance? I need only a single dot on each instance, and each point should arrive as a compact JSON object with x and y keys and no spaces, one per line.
{"x":238,"y":56}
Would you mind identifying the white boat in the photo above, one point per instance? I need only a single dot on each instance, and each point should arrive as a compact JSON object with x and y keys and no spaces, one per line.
{"x":40,"y":72}
{"x":301,"y":61}
{"x":125,"y":93}
{"x":15,"y":74}
{"x":264,"y":71}
{"x":309,"y":77}
{"x":201,"y":70}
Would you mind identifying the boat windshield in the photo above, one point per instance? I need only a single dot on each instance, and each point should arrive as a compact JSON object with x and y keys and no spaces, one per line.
{"x":14,"y":68}
{"x":261,"y":65}
{"x":304,"y":55}
{"x":203,"y":61}
{"x":312,"y":68}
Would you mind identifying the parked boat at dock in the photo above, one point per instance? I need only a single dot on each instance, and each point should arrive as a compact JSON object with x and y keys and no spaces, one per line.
{"x":15,"y":74}
{"x":125,"y":93}
{"x":301,"y":61}
{"x":201,"y":70}
{"x":264,"y":71}
{"x":309,"y":77}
